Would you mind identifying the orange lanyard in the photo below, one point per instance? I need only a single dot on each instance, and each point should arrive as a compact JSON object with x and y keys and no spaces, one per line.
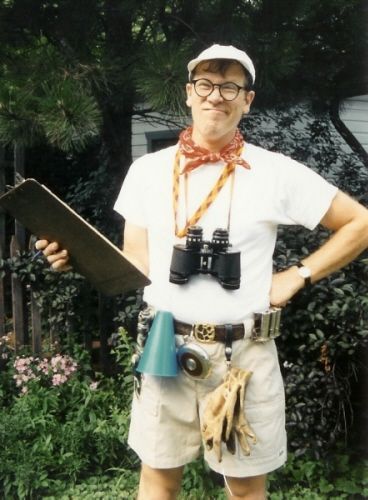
{"x":203,"y":207}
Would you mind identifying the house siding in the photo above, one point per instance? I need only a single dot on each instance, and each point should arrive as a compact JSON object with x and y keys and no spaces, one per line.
{"x":155,"y":128}
{"x":354,"y":114}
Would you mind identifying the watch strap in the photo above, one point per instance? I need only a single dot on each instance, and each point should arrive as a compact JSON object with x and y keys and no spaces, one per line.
{"x":307,"y":279}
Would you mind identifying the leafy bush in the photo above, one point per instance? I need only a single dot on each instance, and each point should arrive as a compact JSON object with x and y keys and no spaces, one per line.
{"x":92,"y":198}
{"x":336,"y":478}
{"x":67,"y":303}
{"x":65,"y":425}
{"x":324,"y":328}
{"x":123,"y":483}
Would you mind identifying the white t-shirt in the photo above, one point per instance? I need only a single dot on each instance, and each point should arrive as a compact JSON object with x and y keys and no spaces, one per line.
{"x":276,"y":190}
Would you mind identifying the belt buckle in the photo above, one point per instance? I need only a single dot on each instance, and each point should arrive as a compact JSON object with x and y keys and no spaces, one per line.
{"x":204,"y":332}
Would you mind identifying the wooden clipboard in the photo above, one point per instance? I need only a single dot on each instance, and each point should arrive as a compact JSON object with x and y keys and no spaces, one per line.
{"x":91,"y":254}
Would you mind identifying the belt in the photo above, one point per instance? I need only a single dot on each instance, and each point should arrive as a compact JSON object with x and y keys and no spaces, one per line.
{"x":263,"y":327}
{"x":206,"y":332}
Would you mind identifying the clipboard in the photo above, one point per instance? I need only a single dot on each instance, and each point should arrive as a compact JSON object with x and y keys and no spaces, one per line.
{"x":91,"y":254}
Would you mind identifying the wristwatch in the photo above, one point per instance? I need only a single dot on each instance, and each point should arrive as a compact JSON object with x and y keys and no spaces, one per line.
{"x":305,"y":273}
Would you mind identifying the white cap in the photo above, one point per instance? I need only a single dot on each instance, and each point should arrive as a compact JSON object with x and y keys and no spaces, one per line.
{"x":224,"y":52}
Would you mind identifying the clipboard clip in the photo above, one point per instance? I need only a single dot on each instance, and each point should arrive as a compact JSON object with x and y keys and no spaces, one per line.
{"x":18,"y":179}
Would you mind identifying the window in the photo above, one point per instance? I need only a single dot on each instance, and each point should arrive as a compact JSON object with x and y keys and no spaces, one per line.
{"x":161,"y":139}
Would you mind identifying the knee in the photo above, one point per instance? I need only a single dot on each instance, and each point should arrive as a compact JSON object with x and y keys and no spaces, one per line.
{"x":250,"y":488}
{"x":159,"y":484}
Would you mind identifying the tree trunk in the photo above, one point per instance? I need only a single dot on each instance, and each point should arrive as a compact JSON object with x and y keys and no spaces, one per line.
{"x":118,"y":105}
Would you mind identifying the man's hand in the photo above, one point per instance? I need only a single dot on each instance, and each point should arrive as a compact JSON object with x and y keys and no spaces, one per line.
{"x":285,"y":285}
{"x":348,"y":220}
{"x":57,"y":257}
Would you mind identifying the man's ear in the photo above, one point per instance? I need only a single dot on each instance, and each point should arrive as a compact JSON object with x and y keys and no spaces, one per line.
{"x":188,"y":89}
{"x":249,"y":97}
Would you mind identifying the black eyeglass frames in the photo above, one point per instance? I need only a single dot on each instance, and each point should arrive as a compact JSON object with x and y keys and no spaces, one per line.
{"x":228,"y":90}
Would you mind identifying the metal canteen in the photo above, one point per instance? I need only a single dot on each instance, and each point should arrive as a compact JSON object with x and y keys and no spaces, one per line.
{"x":194,"y":361}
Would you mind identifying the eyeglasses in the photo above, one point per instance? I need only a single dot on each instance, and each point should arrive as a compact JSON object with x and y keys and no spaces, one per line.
{"x":228,"y":90}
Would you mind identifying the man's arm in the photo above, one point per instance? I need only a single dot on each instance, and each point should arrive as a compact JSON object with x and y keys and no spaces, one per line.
{"x":136,"y":246}
{"x":349,"y":222}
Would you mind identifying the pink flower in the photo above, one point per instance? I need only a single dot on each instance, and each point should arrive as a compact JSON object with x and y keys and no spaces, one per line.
{"x":57,"y":370}
{"x":43,"y":366}
{"x":58,"y":379}
{"x":22,"y":364}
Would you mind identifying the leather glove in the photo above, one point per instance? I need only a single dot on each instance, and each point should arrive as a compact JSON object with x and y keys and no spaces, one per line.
{"x":241,"y":428}
{"x":223,"y":417}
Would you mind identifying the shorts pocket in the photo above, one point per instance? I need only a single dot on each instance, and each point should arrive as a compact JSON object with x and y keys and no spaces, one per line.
{"x":264,"y":411}
{"x":148,"y":401}
{"x":267,"y":421}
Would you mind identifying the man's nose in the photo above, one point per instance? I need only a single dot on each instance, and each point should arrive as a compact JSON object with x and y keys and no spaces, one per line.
{"x":215,"y":95}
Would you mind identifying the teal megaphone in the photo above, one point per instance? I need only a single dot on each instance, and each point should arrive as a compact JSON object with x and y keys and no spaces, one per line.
{"x":159,"y":353}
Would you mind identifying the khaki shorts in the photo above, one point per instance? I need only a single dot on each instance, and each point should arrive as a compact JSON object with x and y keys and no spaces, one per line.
{"x":166,"y":417}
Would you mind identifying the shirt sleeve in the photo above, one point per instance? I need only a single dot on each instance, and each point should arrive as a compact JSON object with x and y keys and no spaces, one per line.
{"x":130,"y":202}
{"x":305,"y":196}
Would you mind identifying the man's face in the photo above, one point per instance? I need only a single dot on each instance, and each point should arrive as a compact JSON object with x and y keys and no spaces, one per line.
{"x":215,"y":119}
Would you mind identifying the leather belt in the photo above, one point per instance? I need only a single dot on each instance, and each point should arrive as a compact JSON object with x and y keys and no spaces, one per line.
{"x":207,"y":333}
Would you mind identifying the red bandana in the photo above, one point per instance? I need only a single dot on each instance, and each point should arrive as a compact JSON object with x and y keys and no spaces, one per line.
{"x":198,"y":156}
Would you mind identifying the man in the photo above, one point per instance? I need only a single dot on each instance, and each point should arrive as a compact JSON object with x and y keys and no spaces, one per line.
{"x":213,"y":179}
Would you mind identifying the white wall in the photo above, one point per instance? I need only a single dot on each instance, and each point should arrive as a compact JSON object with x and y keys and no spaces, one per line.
{"x":354,"y":113}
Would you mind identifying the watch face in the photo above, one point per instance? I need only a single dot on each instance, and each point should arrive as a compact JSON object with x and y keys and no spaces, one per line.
{"x":304,"y":272}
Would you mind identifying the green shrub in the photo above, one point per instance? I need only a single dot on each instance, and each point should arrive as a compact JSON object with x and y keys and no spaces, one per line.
{"x":324,"y":328}
{"x":302,"y":478}
{"x":64,"y":299}
{"x":336,"y":477}
{"x":122,"y":484}
{"x":64,"y":426}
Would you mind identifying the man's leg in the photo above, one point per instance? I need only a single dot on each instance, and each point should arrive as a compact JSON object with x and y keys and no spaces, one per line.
{"x":246,"y":488}
{"x":159,"y":484}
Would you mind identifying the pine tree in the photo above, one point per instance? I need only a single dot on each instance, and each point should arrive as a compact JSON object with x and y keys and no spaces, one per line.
{"x":74,"y":70}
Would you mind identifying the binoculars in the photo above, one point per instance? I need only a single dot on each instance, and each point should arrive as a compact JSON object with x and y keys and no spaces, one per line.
{"x":206,"y":257}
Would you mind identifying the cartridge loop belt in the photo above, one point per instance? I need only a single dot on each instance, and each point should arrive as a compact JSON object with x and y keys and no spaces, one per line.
{"x":266,"y":327}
